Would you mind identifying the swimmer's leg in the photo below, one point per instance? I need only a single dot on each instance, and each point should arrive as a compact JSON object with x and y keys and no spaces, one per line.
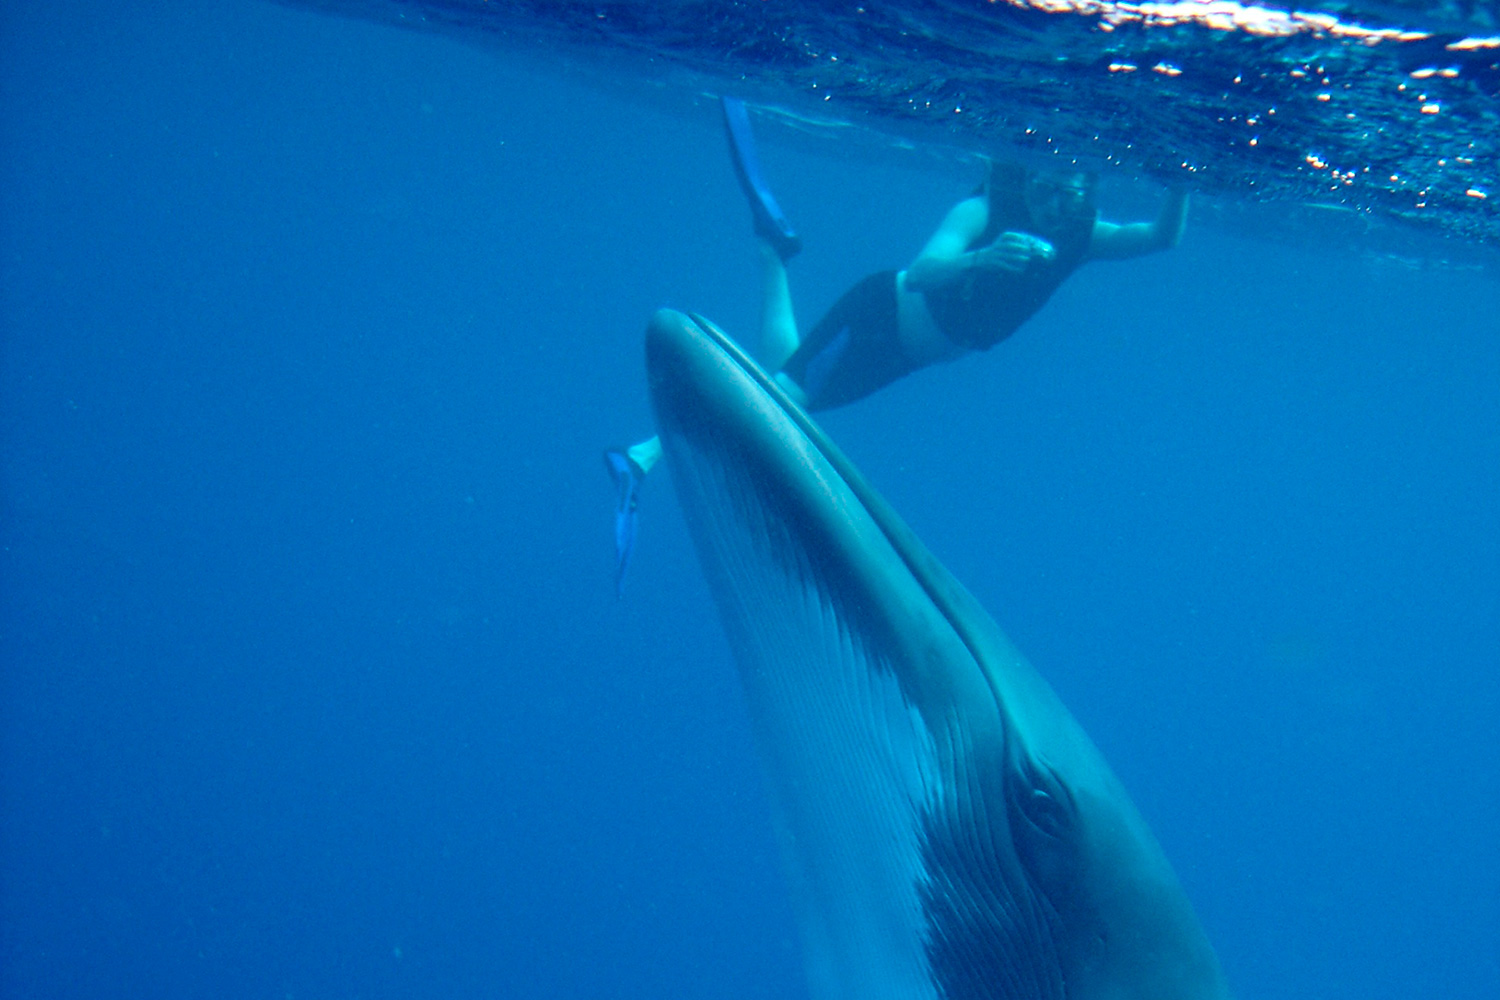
{"x":778,"y":324}
{"x":778,"y":242}
{"x":628,"y":467}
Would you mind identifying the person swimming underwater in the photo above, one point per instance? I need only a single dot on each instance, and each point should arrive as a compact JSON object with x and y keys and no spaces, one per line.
{"x":995,"y":260}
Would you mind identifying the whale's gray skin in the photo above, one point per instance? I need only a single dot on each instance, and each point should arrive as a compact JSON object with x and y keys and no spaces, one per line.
{"x":948,"y":829}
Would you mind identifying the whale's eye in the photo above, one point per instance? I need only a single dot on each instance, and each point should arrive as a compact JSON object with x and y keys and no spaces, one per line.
{"x":1045,"y":813}
{"x":1043,"y":801}
{"x":1044,"y":828}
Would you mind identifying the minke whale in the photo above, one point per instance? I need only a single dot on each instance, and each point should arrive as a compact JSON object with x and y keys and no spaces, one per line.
{"x":948,"y":829}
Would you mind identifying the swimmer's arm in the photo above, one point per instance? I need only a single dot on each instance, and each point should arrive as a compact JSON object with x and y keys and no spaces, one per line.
{"x":943,"y":261}
{"x":1112,"y":241}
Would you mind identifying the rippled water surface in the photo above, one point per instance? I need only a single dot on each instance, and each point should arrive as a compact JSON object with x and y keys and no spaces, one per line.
{"x":1376,"y":121}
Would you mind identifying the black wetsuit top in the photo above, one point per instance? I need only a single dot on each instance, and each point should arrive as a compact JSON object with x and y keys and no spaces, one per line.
{"x":856,"y":349}
{"x":986,"y":307}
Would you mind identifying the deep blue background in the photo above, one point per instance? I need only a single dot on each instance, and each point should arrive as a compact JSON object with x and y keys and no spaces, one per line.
{"x":314,"y":681}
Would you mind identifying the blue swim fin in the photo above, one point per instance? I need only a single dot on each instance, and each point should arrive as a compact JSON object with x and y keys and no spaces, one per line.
{"x":771,"y":223}
{"x":626,"y":476}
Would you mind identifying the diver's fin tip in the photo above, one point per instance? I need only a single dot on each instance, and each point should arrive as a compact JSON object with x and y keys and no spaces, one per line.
{"x":626,"y":475}
{"x":770,"y":221}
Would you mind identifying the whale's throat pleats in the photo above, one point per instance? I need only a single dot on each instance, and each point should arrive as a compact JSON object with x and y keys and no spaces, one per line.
{"x":896,"y":844}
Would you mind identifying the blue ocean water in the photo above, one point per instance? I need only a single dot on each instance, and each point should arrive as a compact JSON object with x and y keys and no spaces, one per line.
{"x":314,"y":679}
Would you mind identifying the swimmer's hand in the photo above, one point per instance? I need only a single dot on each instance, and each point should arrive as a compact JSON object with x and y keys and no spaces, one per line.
{"x":1010,"y":253}
{"x":1013,"y":251}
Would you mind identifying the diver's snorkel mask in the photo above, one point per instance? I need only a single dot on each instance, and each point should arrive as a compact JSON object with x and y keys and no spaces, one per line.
{"x":1060,"y":197}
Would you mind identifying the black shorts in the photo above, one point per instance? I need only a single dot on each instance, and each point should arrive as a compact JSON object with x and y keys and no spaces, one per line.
{"x":855,"y":349}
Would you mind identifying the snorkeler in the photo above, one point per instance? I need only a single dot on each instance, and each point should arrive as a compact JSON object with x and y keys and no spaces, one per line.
{"x":994,"y":261}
